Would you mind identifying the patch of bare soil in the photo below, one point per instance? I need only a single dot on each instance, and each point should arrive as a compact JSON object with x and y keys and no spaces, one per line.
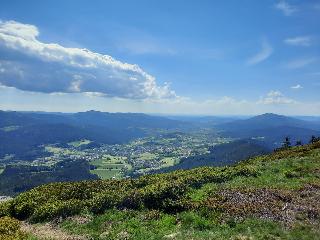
{"x":277,"y":205}
{"x":49,"y":231}
{"x":81,"y":219}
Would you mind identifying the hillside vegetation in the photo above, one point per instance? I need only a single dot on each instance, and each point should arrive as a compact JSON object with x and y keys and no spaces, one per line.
{"x":274,"y":196}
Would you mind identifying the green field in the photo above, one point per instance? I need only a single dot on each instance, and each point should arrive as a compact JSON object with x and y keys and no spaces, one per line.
{"x":109,"y":166}
{"x":9,"y":128}
{"x":147,"y":156}
{"x":108,"y":159}
{"x":106,"y":173}
{"x":57,"y":150}
{"x":168,"y":162}
{"x":79,"y":143}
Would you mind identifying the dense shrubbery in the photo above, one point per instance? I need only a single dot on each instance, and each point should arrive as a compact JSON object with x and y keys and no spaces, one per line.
{"x":10,"y":229}
{"x":168,"y":193}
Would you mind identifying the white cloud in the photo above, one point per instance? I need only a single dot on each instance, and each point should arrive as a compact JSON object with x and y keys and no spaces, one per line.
{"x":298,"y":86}
{"x":31,"y":65}
{"x":265,"y":52}
{"x":304,"y":41}
{"x":299,"y":63}
{"x":286,"y":8}
{"x":94,"y":94}
{"x":275,"y":97}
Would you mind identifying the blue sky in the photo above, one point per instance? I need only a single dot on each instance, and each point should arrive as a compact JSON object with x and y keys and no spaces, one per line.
{"x":184,"y":57}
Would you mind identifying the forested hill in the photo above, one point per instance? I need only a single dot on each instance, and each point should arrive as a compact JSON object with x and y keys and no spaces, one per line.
{"x":274,"y":196}
{"x":22,"y":132}
{"x":271,"y":128}
{"x":222,"y":155}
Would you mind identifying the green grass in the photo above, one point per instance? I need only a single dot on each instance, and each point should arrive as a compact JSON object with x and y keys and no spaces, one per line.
{"x":106,"y":173}
{"x":168,"y":162}
{"x":115,"y":224}
{"x":109,"y":166}
{"x":108,"y":159}
{"x":57,"y":150}
{"x":289,"y":173}
{"x":79,"y":143}
{"x":147,"y":156}
{"x":9,"y":128}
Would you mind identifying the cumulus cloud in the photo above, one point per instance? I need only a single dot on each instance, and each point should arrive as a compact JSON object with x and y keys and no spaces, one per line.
{"x":298,"y":86}
{"x":275,"y":97}
{"x":286,"y":8}
{"x":263,"y":54}
{"x":28,"y":64}
{"x":304,"y":41}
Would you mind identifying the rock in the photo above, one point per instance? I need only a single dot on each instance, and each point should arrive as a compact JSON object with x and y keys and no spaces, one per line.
{"x":5,"y":198}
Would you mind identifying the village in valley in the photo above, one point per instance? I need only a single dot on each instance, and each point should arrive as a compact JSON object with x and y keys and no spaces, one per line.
{"x":137,"y":157}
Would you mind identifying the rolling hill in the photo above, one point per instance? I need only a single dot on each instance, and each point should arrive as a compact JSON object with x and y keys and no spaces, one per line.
{"x":271,"y":128}
{"x":221,"y":155}
{"x":22,"y":132}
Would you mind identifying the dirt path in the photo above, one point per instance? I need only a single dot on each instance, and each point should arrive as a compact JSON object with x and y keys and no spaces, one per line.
{"x":49,"y":231}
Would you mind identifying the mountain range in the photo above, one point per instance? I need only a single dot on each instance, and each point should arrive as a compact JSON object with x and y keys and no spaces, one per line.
{"x":22,"y":132}
{"x":271,"y":128}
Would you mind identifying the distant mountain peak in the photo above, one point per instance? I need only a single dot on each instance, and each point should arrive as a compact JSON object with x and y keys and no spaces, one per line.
{"x":270,"y":115}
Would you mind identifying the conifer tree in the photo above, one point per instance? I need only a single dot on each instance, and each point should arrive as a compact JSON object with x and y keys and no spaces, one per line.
{"x":286,"y":143}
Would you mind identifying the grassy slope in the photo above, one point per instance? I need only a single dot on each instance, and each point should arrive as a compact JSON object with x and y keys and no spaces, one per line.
{"x":109,"y":167}
{"x":269,"y":197}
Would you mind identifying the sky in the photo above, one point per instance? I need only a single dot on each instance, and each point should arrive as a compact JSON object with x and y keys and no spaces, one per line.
{"x":205,"y":57}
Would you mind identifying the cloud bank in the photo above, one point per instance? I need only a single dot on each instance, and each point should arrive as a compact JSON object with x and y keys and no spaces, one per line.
{"x":276,"y":102}
{"x":28,"y":64}
{"x":274,"y":98}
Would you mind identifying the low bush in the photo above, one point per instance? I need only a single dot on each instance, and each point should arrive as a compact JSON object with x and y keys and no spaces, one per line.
{"x":57,"y":209}
{"x":10,"y":229}
{"x":5,"y":209}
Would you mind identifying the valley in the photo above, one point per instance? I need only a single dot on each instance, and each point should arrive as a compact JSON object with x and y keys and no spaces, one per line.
{"x":89,"y":144}
{"x":137,"y":157}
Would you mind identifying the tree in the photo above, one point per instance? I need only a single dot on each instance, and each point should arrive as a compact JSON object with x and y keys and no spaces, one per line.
{"x":286,"y":143}
{"x":298,"y":143}
{"x":314,"y":139}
